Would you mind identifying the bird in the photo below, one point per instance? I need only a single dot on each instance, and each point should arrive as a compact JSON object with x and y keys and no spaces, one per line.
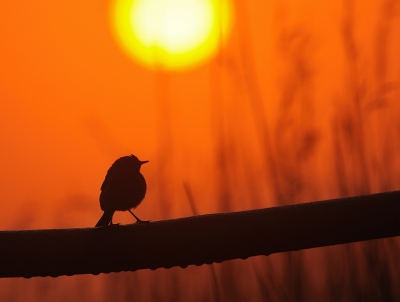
{"x":123,"y":189}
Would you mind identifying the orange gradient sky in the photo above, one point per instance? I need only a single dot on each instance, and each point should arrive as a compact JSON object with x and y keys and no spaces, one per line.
{"x":300,"y":103}
{"x":72,"y":102}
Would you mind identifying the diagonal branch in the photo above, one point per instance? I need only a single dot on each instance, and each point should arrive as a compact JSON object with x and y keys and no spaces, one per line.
{"x":199,"y":240}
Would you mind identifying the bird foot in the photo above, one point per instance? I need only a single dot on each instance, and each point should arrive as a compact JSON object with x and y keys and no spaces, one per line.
{"x":142,"y":221}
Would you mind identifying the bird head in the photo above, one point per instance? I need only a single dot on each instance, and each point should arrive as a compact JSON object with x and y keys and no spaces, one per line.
{"x":134,"y":162}
{"x":130,"y":162}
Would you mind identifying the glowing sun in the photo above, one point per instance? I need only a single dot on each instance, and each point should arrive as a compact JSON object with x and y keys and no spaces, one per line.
{"x":171,"y":34}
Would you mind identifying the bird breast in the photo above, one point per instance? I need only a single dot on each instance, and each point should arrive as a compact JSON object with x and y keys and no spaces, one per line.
{"x":122,"y":192}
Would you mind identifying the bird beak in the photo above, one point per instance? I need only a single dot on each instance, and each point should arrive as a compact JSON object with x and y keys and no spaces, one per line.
{"x":143,"y":162}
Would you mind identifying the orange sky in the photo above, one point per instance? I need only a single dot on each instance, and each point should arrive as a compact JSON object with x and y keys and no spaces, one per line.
{"x":72,"y":103}
{"x":301,"y":104}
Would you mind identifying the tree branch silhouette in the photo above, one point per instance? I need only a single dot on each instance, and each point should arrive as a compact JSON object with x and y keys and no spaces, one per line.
{"x":199,"y":240}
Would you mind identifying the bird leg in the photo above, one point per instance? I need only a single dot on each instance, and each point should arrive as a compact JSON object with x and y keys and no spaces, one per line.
{"x":137,"y":218}
{"x":113,"y":224}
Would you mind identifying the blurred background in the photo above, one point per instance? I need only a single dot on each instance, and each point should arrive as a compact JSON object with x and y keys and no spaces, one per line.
{"x":289,"y":102}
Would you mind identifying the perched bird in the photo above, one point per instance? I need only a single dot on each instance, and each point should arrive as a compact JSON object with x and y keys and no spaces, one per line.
{"x":123,"y":188}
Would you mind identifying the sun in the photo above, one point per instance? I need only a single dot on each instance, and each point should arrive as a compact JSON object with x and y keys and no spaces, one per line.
{"x":171,"y":34}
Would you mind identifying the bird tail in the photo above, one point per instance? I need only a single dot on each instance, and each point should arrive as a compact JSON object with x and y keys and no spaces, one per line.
{"x":105,"y":220}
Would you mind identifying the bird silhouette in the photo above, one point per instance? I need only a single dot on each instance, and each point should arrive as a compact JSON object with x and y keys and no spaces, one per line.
{"x":123,"y":188}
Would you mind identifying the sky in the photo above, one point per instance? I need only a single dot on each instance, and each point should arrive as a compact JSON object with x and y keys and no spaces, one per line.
{"x":299,"y":102}
{"x":73,"y":101}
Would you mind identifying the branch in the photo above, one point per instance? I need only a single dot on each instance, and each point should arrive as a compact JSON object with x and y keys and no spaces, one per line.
{"x":199,"y":240}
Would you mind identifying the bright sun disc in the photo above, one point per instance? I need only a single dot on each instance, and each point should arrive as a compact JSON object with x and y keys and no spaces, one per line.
{"x":171,"y":34}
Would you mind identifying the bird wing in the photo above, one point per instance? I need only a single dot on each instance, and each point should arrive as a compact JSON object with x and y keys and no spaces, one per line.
{"x":110,"y":178}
